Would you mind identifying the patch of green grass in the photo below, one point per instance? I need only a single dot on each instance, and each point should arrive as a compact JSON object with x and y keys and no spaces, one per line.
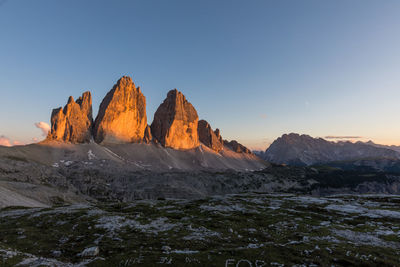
{"x":391,"y":238}
{"x":11,"y":262}
{"x":291,"y":234}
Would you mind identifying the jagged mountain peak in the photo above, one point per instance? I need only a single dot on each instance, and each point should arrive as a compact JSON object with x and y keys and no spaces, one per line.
{"x":74,"y":122}
{"x":122,"y":114}
{"x":175,"y":122}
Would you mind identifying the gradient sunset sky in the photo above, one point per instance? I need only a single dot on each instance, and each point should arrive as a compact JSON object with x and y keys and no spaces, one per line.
{"x":254,"y":69}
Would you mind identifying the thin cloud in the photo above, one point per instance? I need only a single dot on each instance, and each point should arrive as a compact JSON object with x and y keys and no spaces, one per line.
{"x":342,"y":137}
{"x":44,"y":127}
{"x":18,"y":143}
{"x":5,"y":141}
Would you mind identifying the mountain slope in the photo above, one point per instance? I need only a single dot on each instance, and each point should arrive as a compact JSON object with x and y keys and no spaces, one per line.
{"x":133,"y":156}
{"x":53,"y":172}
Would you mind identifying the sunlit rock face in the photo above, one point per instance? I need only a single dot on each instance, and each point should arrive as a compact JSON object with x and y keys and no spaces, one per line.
{"x":175,"y":122}
{"x":237,"y":147}
{"x":74,"y":122}
{"x":122,"y":114}
{"x":208,"y":137}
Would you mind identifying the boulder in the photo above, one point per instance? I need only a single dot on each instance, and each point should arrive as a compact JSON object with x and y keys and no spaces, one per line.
{"x":208,"y":137}
{"x":74,"y":122}
{"x":122,"y":114}
{"x":90,"y":252}
{"x":175,"y":122}
{"x":237,"y":147}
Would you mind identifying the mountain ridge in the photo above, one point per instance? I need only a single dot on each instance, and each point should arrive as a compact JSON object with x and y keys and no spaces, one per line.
{"x":122,"y":119}
{"x":304,"y":150}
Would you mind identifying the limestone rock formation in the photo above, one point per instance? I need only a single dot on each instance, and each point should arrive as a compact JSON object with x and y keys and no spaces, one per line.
{"x":237,"y":147}
{"x":218,"y":135}
{"x":208,"y":137}
{"x":122,"y":114}
{"x":175,"y":122}
{"x":74,"y":122}
{"x":147,"y":135}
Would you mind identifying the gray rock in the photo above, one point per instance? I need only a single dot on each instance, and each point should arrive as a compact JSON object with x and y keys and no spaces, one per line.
{"x":90,"y":252}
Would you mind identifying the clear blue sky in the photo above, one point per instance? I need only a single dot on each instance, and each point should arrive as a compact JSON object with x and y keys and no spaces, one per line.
{"x":254,"y":69}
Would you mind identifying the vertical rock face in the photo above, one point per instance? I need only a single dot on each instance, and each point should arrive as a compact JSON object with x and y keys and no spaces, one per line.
{"x":74,"y":122}
{"x":237,"y":147}
{"x":208,"y":137}
{"x":122,"y":114}
{"x":218,"y":135}
{"x":147,"y":138}
{"x":175,"y":122}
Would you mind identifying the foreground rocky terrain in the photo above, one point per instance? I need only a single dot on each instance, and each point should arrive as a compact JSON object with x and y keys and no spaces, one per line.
{"x":233,"y":230}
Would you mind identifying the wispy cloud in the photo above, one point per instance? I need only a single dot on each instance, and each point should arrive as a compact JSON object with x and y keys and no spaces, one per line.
{"x":342,"y":137}
{"x":5,"y":141}
{"x":44,"y":127}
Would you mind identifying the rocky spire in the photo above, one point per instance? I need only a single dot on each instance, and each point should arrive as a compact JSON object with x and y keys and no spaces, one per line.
{"x":74,"y":122}
{"x":175,"y":122}
{"x":208,"y":137}
{"x":122,"y":114}
{"x":218,"y":135}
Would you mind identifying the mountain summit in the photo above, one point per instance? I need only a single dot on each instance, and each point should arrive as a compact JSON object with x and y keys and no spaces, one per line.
{"x":302,"y":150}
{"x":74,"y":122}
{"x":122,"y":114}
{"x":175,"y":122}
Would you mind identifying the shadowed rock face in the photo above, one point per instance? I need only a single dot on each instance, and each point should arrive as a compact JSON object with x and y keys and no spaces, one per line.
{"x":147,"y":135}
{"x":237,"y":147}
{"x":218,"y":135}
{"x":208,"y":137}
{"x":175,"y":122}
{"x":74,"y":122}
{"x":122,"y":114}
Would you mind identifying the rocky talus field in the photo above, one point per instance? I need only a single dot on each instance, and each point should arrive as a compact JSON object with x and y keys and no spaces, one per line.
{"x":232,"y":230}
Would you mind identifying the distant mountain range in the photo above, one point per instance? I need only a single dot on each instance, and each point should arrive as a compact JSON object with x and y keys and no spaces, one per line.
{"x":395,"y":148}
{"x":304,"y":150}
